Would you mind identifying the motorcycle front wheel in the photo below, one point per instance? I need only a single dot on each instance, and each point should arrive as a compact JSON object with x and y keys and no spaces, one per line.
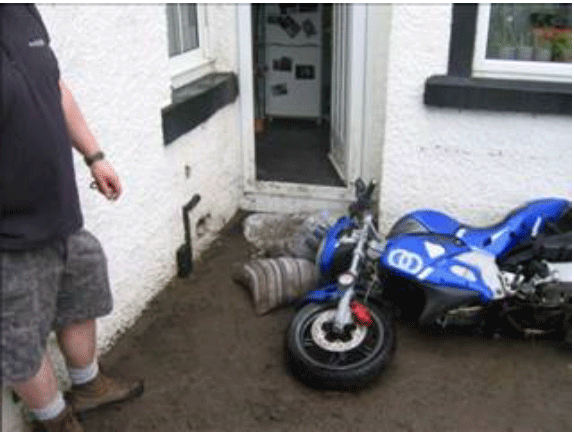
{"x":323,"y":358}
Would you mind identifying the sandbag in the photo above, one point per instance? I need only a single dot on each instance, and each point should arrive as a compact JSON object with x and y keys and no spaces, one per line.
{"x":274,"y":282}
{"x":294,"y":235}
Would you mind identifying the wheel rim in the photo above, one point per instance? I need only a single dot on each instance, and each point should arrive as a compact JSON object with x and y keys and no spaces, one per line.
{"x":357,"y":346}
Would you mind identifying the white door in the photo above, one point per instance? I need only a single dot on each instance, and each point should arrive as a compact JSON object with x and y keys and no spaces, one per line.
{"x":347,"y":89}
{"x":349,"y":34}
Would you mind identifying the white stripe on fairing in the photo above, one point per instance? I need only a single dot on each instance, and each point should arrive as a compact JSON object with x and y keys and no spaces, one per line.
{"x":434,"y":250}
{"x":498,"y":234}
{"x":463,"y":272}
{"x":460,"y":233}
{"x":425,"y":273}
{"x":486,"y":264}
{"x":536,"y":226}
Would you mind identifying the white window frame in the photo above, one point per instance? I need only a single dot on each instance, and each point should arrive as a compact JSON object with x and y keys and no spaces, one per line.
{"x":511,"y":69}
{"x":192,"y":64}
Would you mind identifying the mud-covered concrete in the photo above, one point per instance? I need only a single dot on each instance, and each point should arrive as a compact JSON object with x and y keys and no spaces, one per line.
{"x":211,"y":364}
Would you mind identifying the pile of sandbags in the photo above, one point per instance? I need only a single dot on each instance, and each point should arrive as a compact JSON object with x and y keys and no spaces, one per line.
{"x":284,"y":269}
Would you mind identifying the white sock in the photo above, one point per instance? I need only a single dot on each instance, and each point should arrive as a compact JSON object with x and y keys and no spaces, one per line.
{"x":84,"y":375}
{"x":52,"y":410}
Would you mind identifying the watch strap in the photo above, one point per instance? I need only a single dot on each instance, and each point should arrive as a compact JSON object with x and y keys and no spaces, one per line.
{"x":99,"y":155}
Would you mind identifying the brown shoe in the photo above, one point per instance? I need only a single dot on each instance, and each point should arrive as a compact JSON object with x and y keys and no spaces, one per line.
{"x":102,"y":391}
{"x":65,"y":422}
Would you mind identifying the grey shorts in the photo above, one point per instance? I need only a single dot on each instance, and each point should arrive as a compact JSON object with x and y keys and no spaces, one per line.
{"x":44,"y":289}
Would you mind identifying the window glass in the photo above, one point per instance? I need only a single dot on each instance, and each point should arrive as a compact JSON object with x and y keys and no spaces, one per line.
{"x":172,"y":29}
{"x":189,"y":23}
{"x":182,"y":28}
{"x":530,"y":32}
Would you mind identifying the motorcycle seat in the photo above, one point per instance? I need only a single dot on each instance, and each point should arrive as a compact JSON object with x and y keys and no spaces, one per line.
{"x":555,"y":248}
{"x":489,"y":231}
{"x":516,"y":225}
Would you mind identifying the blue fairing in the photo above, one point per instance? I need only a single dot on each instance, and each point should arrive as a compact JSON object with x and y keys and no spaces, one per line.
{"x":500,"y":238}
{"x":430,"y":258}
{"x":327,"y":254}
{"x":324,"y":294}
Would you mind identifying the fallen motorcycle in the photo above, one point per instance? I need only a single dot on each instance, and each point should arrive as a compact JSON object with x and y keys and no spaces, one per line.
{"x":513,"y":276}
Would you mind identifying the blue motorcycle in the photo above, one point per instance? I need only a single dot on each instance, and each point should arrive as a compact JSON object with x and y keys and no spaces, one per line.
{"x":515,"y":276}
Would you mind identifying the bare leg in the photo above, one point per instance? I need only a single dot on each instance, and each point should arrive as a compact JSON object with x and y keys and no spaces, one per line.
{"x":78,"y":343}
{"x":40,"y":390}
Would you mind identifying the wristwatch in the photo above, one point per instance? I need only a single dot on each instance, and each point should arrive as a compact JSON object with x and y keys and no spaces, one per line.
{"x":99,"y":155}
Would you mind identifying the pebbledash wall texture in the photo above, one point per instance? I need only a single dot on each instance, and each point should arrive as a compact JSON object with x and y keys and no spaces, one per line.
{"x":476,"y":165}
{"x":114,"y":58}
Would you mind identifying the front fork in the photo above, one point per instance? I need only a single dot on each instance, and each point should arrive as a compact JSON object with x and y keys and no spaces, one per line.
{"x":348,"y":280}
{"x":344,"y":315}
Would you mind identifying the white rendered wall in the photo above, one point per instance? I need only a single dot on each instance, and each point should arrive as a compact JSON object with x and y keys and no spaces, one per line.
{"x":476,"y":165}
{"x":114,"y":58}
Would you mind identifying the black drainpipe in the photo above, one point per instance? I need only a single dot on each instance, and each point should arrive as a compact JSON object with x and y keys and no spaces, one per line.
{"x":184,"y":252}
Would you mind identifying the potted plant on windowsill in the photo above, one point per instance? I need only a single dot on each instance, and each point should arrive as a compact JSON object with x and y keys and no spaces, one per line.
{"x":542,"y":35}
{"x":542,"y":44}
{"x":562,"y":45}
{"x":507,"y":48}
{"x":525,"y":48}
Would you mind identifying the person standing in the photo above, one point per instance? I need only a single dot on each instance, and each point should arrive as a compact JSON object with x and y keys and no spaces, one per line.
{"x":53,"y":272}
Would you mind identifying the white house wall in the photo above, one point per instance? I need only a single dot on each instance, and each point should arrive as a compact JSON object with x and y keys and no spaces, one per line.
{"x":474,"y":164}
{"x":114,"y":58}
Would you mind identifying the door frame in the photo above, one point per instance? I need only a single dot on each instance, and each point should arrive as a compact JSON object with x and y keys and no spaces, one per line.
{"x":284,"y":196}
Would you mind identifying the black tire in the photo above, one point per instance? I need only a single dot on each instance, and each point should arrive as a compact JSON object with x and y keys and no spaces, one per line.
{"x":352,"y":369}
{"x":567,"y":330}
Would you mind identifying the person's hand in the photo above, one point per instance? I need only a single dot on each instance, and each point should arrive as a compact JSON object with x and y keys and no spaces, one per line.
{"x":106,"y":179}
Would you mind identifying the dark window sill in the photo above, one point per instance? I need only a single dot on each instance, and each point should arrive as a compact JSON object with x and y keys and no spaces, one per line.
{"x":196,"y":102}
{"x":498,"y":94}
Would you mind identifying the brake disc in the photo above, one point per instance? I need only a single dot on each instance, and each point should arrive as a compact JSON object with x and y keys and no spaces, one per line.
{"x":319,"y":334}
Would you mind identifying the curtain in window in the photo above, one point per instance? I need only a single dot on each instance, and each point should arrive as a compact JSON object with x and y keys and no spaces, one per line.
{"x":182,"y":28}
{"x":189,"y":24}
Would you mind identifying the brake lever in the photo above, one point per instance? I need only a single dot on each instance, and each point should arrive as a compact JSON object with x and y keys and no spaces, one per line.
{"x":360,"y":188}
{"x":371,"y":188}
{"x":363,"y":196}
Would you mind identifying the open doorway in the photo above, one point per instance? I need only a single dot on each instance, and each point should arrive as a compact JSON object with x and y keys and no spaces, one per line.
{"x":344,"y":123}
{"x":292,"y":73}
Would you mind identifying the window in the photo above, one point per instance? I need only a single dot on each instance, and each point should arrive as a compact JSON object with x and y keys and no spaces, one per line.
{"x":182,"y":28}
{"x":187,"y":42}
{"x":524,"y":41}
{"x":479,"y":78}
{"x":197,"y":90}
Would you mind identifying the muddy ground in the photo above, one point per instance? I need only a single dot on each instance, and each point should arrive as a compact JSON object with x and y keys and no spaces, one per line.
{"x":211,"y":364}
